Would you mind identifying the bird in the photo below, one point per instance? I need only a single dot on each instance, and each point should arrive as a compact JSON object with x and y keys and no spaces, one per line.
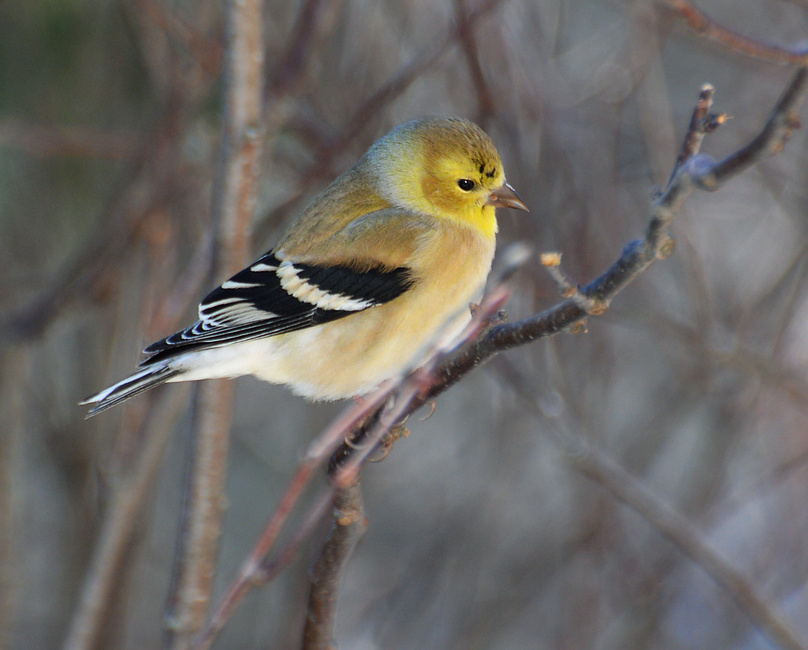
{"x":387,"y":257}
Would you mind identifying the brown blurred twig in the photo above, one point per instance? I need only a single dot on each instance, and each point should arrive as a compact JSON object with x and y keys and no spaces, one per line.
{"x":709,"y":28}
{"x":375,"y":104}
{"x":82,"y":141}
{"x":157,"y":174}
{"x":146,"y":436}
{"x":289,"y":71}
{"x":685,"y":536}
{"x":471,"y":52}
{"x":233,"y":202}
{"x":206,"y":51}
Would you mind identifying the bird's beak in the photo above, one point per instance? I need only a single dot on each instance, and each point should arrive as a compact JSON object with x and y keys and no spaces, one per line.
{"x":506,"y":197}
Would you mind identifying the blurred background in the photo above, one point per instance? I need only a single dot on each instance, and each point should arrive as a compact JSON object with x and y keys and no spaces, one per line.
{"x":481,"y":534}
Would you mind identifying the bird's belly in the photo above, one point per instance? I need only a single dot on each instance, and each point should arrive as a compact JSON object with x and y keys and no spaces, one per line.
{"x":344,"y":358}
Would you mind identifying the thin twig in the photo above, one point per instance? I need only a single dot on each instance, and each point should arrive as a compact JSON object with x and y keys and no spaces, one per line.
{"x":298,"y":52}
{"x":684,"y":535}
{"x":468,"y":42}
{"x":82,"y":141}
{"x":697,"y":129}
{"x":207,"y":51}
{"x":399,"y":83}
{"x":128,"y":499}
{"x":552,"y":264}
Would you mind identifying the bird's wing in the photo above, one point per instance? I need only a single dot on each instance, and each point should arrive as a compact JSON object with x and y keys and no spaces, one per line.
{"x":279,"y":294}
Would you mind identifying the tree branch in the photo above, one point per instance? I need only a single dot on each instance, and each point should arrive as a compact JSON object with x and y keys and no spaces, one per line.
{"x":349,"y":525}
{"x":697,"y":171}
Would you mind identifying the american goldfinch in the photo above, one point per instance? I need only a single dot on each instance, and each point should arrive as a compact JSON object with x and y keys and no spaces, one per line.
{"x":385,"y":258}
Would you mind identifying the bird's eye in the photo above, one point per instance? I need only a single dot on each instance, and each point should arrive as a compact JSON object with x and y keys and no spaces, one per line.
{"x":465,"y":184}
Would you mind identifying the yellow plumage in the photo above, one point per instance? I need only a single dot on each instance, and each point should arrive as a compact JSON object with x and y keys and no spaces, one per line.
{"x":386,"y":258}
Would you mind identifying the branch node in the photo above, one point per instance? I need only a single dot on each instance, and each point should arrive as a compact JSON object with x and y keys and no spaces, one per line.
{"x":701,"y":170}
{"x":713,"y":120}
{"x":569,"y":289}
{"x":497,"y":318}
{"x":592,"y":306}
{"x":701,"y":123}
{"x":666,"y":247}
{"x":552,"y":262}
{"x":578,"y":328}
{"x":552,"y":258}
{"x":346,"y":516}
{"x":393,"y":436}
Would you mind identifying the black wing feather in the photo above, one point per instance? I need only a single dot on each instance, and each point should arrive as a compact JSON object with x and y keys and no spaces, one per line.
{"x":375,"y":285}
{"x":255,"y":304}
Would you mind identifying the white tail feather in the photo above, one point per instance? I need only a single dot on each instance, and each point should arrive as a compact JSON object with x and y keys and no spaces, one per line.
{"x":143,"y":380}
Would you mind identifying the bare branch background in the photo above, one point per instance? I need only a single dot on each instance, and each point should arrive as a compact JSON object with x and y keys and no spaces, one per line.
{"x":482,"y":533}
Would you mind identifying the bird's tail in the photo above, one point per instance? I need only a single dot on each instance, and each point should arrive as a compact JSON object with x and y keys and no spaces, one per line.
{"x":147,"y":378}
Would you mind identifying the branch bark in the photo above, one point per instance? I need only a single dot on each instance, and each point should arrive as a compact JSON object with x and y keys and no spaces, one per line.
{"x":347,"y":529}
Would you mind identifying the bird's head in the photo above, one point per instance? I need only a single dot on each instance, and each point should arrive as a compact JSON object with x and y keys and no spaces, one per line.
{"x":445,"y":167}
